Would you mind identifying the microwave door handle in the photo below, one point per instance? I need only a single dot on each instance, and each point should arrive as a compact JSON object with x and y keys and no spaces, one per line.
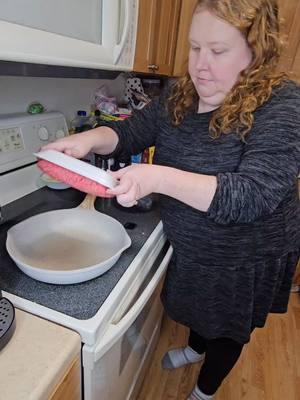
{"x":115,"y":331}
{"x":120,"y":46}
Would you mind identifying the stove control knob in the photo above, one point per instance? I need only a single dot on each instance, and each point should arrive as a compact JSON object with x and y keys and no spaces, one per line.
{"x":43,"y":133}
{"x":60,"y":134}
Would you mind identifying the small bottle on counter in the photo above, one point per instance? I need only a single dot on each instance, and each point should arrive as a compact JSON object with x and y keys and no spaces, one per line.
{"x":137,"y":158}
{"x":97,"y":119}
{"x":81,"y":122}
{"x":145,"y":156}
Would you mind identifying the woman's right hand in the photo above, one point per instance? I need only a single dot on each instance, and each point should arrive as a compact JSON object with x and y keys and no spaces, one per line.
{"x":77,"y":145}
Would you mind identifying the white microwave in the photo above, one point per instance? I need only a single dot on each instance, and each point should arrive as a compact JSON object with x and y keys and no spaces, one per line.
{"x":97,"y":34}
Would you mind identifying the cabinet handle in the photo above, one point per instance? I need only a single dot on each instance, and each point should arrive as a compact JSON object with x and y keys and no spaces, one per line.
{"x":153,"y":67}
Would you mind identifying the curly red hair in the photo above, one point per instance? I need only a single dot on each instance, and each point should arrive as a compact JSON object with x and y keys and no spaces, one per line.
{"x":258,"y":21}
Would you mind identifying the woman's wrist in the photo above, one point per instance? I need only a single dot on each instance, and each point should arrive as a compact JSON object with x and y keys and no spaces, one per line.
{"x":160,"y":173}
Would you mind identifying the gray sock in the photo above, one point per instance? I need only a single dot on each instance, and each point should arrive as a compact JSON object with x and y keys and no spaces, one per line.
{"x":198,"y":395}
{"x":178,"y":357}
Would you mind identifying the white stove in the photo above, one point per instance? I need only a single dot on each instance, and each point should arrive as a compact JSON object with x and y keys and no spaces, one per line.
{"x":118,"y":314}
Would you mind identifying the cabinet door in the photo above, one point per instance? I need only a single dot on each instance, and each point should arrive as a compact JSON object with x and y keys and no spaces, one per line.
{"x":182,"y":48}
{"x":70,"y":386}
{"x":144,"y":51}
{"x":157,"y":35}
{"x":166,"y":35}
{"x":296,"y":64}
{"x":290,"y":59}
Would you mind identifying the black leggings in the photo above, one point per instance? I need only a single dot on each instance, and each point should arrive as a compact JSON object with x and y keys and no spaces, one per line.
{"x":220,"y":357}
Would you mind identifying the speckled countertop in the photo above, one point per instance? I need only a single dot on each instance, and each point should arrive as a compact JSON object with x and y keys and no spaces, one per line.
{"x":36,"y":358}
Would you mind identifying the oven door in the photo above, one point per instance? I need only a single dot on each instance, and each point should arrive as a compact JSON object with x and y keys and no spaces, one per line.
{"x":115,"y":367}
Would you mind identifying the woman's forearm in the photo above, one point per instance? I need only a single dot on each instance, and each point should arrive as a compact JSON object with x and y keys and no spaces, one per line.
{"x":196,"y":190}
{"x":104,"y":140}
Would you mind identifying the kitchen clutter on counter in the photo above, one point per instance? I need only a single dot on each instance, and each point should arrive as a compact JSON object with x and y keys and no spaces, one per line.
{"x":138,"y":92}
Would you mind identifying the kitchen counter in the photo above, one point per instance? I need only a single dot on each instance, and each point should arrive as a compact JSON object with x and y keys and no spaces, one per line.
{"x":36,"y":359}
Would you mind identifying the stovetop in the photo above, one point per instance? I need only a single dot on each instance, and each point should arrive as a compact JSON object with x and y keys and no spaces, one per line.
{"x":81,"y":300}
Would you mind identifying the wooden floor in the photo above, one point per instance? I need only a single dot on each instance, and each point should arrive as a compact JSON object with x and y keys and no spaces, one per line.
{"x":269,"y":367}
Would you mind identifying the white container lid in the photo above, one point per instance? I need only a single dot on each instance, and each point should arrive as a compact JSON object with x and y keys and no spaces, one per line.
{"x":79,"y":167}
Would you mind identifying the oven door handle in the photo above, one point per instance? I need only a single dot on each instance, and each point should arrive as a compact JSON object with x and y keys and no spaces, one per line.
{"x":115,"y":331}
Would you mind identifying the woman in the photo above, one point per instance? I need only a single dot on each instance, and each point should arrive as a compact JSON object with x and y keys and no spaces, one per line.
{"x":226,"y":166}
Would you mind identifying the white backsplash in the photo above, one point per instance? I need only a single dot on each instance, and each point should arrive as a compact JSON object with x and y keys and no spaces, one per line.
{"x":55,"y":94}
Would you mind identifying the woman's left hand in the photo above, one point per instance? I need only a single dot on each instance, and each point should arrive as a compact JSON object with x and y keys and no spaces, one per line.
{"x":135,"y":182}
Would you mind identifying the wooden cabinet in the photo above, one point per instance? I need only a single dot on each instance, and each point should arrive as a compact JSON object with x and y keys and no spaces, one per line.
{"x":182,"y":46}
{"x":290,"y":60}
{"x":157,"y":36}
{"x":70,"y":386}
{"x":296,"y":65}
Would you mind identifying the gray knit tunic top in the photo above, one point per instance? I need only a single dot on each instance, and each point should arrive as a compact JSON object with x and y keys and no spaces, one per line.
{"x":233,"y":264}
